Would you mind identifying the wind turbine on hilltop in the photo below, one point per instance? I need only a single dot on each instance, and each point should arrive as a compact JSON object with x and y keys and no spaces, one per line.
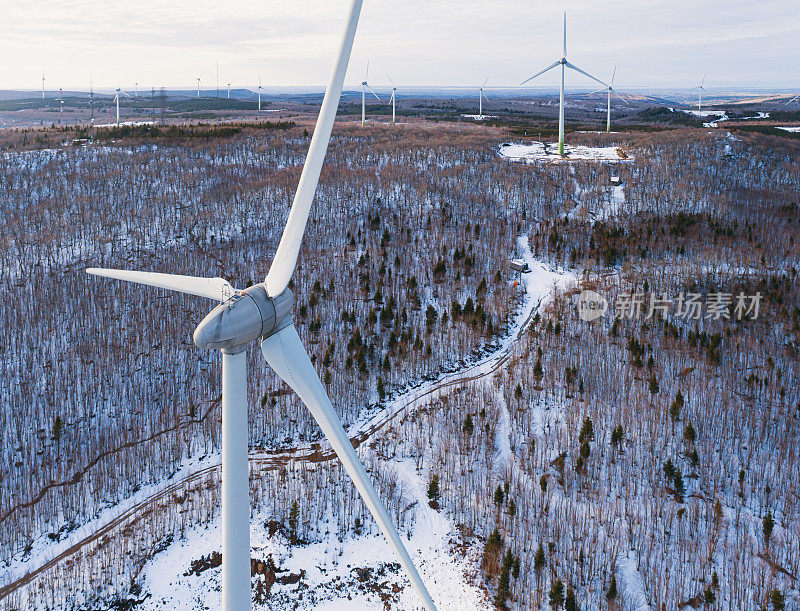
{"x":564,"y":65}
{"x":610,"y":89}
{"x":263,"y":313}
{"x":260,"y":89}
{"x":481,"y":97}
{"x":116,"y":98}
{"x":43,"y":84}
{"x":198,"y":87}
{"x":394,"y":95}
{"x":700,"y":90}
{"x":364,"y":87}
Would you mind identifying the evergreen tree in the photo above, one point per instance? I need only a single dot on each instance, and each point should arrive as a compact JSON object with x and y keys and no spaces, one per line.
{"x":557,"y":594}
{"x":689,"y":434}
{"x":498,"y":496}
{"x":767,"y":525}
{"x":675,"y":407}
{"x":778,"y":600}
{"x":612,"y":589}
{"x":617,"y":436}
{"x":468,"y":426}
{"x":294,"y":515}
{"x":571,"y":602}
{"x":680,"y":488}
{"x":538,"y":559}
{"x":653,"y":384}
{"x":433,"y":488}
{"x":58,"y":428}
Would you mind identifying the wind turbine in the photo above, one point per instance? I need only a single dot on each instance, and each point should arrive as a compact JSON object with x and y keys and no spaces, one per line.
{"x":91,"y":99}
{"x":260,"y":89}
{"x":263,"y":312}
{"x":43,"y":84}
{"x":610,"y":89}
{"x":198,"y":87}
{"x":700,"y":90}
{"x":793,"y":99}
{"x":60,"y":106}
{"x":364,"y":87}
{"x":394,"y":95}
{"x":136,"y":90}
{"x":229,"y":91}
{"x":116,"y":98}
{"x":481,"y":97}
{"x":564,"y":65}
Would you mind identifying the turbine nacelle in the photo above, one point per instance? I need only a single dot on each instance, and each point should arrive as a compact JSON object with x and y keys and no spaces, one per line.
{"x":248,"y":315}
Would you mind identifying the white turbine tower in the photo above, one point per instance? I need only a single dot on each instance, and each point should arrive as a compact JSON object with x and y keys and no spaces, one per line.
{"x":198,"y":87}
{"x":43,"y":84}
{"x":394,"y":95}
{"x":229,"y":91}
{"x":700,"y":90}
{"x":610,"y":90}
{"x":481,"y":97}
{"x":263,"y":312}
{"x":260,"y":89}
{"x":564,"y":65}
{"x":116,"y":98}
{"x":60,"y":106}
{"x":364,"y":87}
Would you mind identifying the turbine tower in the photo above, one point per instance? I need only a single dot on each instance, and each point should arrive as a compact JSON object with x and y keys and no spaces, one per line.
{"x":91,"y":99}
{"x":43,"y":84}
{"x":564,"y":65}
{"x":263,"y":312}
{"x":229,"y":91}
{"x":60,"y":106}
{"x":364,"y":87}
{"x":394,"y":95}
{"x":700,"y":90}
{"x":481,"y":97}
{"x":610,"y":89}
{"x":260,"y":89}
{"x":198,"y":87}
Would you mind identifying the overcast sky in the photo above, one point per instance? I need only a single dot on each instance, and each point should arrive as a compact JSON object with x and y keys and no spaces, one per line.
{"x":418,"y":42}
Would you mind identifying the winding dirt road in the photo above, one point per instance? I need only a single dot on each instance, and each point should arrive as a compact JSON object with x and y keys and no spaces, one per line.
{"x":267,"y":460}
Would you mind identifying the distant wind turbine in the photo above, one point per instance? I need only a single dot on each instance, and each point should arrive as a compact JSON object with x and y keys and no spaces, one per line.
{"x":43,"y":85}
{"x":136,"y":90}
{"x":394,"y":95}
{"x":364,"y":87}
{"x":198,"y":87}
{"x":481,"y":97}
{"x":116,"y":98}
{"x":564,"y":64}
{"x":700,"y":90}
{"x":229,"y":91}
{"x":797,"y":97}
{"x":610,"y":89}
{"x":260,"y":89}
{"x":60,"y":106}
{"x":91,"y":98}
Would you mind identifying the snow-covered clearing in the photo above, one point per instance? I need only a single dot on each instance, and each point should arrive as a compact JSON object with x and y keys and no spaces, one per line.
{"x":548,"y":152}
{"x":127,"y":124}
{"x":790,"y":129}
{"x":479,"y":117}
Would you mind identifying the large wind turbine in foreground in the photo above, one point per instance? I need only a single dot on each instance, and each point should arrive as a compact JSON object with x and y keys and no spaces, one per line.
{"x":564,"y":65}
{"x":610,"y":89}
{"x":364,"y":87}
{"x":394,"y":96}
{"x":263,"y":313}
{"x":116,"y":98}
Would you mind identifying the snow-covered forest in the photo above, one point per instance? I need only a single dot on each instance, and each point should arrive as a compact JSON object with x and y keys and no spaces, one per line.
{"x":646,"y":461}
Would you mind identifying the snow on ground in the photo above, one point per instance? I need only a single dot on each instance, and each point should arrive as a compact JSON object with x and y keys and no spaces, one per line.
{"x":790,"y":129}
{"x":632,"y":583}
{"x":479,"y":117}
{"x":127,"y":123}
{"x":330,"y":581}
{"x":548,"y":152}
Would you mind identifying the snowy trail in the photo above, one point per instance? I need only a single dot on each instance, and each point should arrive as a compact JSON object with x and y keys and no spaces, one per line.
{"x":541,"y":284}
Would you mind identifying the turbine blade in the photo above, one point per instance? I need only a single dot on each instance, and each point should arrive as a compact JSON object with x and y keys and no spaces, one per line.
{"x":613,"y":74}
{"x":599,"y":91}
{"x":289,"y":247}
{"x":703,"y":82}
{"x":213,"y":288}
{"x":565,"y":35}
{"x":373,"y":92}
{"x":620,"y":97}
{"x":793,"y":99}
{"x":550,"y":67}
{"x":286,"y":355}
{"x":574,"y":67}
{"x":484,"y":82}
{"x":390,"y":79}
